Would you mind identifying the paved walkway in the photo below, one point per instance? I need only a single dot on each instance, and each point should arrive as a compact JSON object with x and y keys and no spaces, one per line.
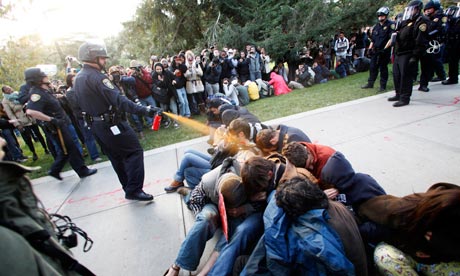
{"x":405,"y":149}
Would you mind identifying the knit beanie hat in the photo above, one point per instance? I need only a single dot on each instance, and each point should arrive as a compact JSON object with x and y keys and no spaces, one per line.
{"x":229,"y":185}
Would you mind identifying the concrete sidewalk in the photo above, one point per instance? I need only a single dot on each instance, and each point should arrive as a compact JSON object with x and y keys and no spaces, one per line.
{"x":405,"y":149}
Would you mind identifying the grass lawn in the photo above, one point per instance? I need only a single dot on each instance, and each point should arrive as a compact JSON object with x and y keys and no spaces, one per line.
{"x":320,"y":95}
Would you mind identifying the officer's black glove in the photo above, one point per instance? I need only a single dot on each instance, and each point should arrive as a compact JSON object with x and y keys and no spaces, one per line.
{"x":57,"y":122}
{"x":152,"y":111}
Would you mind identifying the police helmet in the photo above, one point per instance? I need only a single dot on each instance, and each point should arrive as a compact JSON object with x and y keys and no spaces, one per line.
{"x":432,"y":4}
{"x":453,"y":12}
{"x":34,"y":76}
{"x":416,"y":3}
{"x":89,"y":52}
{"x":383,"y":11}
{"x":412,"y":10}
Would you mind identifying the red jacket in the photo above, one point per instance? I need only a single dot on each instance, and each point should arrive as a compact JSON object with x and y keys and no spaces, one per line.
{"x":143,"y":83}
{"x":321,"y":155}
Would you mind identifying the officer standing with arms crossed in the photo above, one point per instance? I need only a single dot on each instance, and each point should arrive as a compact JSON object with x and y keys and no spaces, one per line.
{"x":104,"y":108}
{"x":410,"y":45}
{"x":380,"y":56}
{"x":431,"y":62}
{"x":45,"y":107}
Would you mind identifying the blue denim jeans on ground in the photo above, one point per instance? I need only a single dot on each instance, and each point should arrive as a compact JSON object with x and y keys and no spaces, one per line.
{"x":206,"y":224}
{"x":14,"y":151}
{"x":183,"y":102}
{"x":149,"y":101}
{"x":243,"y":234}
{"x":192,"y":159}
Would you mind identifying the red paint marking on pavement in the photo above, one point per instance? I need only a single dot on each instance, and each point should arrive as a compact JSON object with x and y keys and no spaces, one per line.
{"x":454,"y":102}
{"x":93,"y":198}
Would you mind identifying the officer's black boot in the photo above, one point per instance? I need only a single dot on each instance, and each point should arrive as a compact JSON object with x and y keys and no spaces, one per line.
{"x":368,"y":85}
{"x":395,"y":98}
{"x":423,"y":88}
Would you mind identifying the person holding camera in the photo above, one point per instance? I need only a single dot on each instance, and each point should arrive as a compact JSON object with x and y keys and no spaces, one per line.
{"x":104,"y":108}
{"x":179,"y":69}
{"x":143,"y":86}
{"x":45,"y":107}
{"x":212,"y":76}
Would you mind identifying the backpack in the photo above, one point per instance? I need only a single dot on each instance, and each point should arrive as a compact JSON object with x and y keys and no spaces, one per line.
{"x":28,"y":232}
{"x":253,"y":91}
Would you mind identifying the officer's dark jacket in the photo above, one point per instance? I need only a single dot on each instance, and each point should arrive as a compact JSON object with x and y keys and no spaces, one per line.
{"x":413,"y":37}
{"x":437,"y":28}
{"x":96,"y":94}
{"x":381,"y":33}
{"x":42,"y":100}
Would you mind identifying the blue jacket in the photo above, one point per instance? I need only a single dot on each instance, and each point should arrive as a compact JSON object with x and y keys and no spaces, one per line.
{"x":304,"y":246}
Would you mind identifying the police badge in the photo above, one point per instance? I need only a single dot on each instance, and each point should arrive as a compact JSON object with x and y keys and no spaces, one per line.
{"x":108,"y":83}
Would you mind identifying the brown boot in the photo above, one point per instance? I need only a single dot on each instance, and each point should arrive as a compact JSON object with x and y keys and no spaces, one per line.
{"x":174,"y":186}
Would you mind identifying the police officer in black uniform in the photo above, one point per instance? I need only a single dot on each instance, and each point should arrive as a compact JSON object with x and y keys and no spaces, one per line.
{"x":45,"y":107}
{"x":453,"y":43}
{"x":380,"y":56}
{"x":410,"y":44}
{"x":431,"y":62}
{"x":104,"y":108}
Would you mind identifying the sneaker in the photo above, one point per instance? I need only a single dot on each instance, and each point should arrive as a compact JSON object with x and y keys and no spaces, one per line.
{"x":176,"y":125}
{"x":166,"y":124}
{"x":97,"y":159}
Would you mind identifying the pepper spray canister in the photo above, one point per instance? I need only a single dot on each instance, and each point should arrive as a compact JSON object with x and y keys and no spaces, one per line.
{"x":156,"y":122}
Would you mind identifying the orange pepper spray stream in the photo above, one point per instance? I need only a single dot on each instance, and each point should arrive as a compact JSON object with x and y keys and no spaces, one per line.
{"x":201,"y":127}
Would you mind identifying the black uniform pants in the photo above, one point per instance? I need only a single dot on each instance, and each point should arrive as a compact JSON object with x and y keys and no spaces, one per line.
{"x":453,"y":59}
{"x":379,"y":62}
{"x":403,"y":76}
{"x":73,"y":154}
{"x":124,"y":152}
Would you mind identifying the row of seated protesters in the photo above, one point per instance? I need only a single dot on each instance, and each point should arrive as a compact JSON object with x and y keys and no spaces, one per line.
{"x":297,"y":208}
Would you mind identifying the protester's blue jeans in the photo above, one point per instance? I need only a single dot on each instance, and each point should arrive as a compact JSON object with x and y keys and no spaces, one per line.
{"x":183,"y":102}
{"x":242,"y":234}
{"x":204,"y":228}
{"x":192,"y":167}
{"x":149,"y":101}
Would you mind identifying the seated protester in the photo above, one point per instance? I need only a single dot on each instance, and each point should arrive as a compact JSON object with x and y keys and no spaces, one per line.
{"x":243,"y":94}
{"x":424,"y":231}
{"x":278,"y":83}
{"x":260,"y":176}
{"x":335,"y":174}
{"x":322,"y":74}
{"x":230,"y":91}
{"x":204,"y":200}
{"x":214,"y":119}
{"x":298,"y":239}
{"x":232,"y":112}
{"x":340,"y":70}
{"x":361,"y":64}
{"x":274,"y":138}
{"x":304,"y":77}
